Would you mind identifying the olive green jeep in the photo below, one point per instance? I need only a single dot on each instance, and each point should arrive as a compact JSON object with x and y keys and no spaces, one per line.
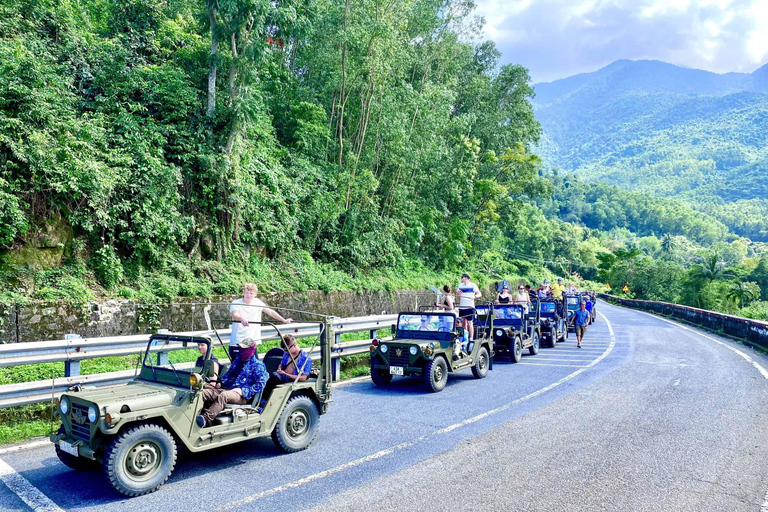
{"x":133,"y":431}
{"x":430,"y":345}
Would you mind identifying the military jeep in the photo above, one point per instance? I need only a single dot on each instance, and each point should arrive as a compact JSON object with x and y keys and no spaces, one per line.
{"x":134,"y":431}
{"x":429,"y":345}
{"x":552,"y":321}
{"x":515,"y":329}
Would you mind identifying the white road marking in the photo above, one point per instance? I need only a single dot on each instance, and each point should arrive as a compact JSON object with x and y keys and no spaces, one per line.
{"x":560,"y":365}
{"x":567,"y":358}
{"x":764,"y":508}
{"x":762,"y":370}
{"x":28,"y":493}
{"x":28,"y":446}
{"x":388,"y":451}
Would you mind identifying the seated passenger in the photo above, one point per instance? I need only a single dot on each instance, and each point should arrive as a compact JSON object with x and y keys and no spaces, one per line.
{"x":444,"y":324}
{"x":425,"y":325}
{"x":458,"y":348}
{"x":522,"y":298}
{"x":504,"y":296}
{"x":243,"y":381}
{"x":294,"y":361}
{"x":202,"y":348}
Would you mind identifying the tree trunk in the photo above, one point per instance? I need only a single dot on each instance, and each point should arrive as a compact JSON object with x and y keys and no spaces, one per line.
{"x":211,"y":107}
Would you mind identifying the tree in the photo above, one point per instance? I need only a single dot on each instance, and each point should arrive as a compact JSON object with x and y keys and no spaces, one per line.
{"x":743,"y":293}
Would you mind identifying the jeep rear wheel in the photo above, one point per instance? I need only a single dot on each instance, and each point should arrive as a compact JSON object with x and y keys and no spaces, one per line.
{"x":534,"y":348}
{"x":436,"y":374}
{"x":297,"y":426}
{"x":76,"y":463}
{"x":480,"y":368}
{"x":140,"y":459}
{"x":516,"y":350}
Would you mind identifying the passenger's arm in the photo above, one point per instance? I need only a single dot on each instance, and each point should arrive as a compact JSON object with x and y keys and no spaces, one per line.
{"x":277,"y":316}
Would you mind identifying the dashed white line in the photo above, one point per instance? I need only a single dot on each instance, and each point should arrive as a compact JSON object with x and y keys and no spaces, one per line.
{"x":764,"y":508}
{"x":762,"y":370}
{"x":560,"y":365}
{"x":388,"y":451}
{"x":28,"y":493}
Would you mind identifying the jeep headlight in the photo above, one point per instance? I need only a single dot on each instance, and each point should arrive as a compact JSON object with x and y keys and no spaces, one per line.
{"x":499,"y":332}
{"x":384,"y":349}
{"x":93,"y":414}
{"x":414,"y":350}
{"x":64,"y":405}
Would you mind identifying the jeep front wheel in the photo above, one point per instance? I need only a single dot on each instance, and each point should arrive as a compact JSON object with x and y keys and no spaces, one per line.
{"x":516,"y":350}
{"x":436,"y":374}
{"x":140,"y":459}
{"x":534,"y":348}
{"x":297,"y":426}
{"x":76,"y":463}
{"x":480,"y":368}
{"x":380,"y":377}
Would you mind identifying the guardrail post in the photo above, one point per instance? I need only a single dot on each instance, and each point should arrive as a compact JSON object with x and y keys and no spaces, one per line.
{"x":336,"y":367}
{"x":72,"y":368}
{"x":373,"y":333}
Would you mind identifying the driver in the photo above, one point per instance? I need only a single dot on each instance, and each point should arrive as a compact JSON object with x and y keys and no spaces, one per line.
{"x":425,"y":326}
{"x":244,"y":380}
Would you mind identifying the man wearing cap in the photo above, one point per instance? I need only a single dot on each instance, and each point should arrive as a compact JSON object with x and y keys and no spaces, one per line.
{"x":468,"y":292}
{"x":581,"y":319}
{"x":244,"y":380}
{"x":558,"y":289}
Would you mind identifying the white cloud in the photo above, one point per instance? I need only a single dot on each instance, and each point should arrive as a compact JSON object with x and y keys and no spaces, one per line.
{"x":557,"y":38}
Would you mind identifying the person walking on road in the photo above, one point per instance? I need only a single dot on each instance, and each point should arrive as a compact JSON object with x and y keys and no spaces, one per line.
{"x":581,"y":319}
{"x":243,"y":312}
{"x":467,"y":293}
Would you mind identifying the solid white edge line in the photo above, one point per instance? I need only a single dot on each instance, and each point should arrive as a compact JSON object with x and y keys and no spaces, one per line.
{"x":388,"y":451}
{"x":27,"y":446}
{"x":762,"y":370}
{"x":28,"y":493}
{"x":555,"y":365}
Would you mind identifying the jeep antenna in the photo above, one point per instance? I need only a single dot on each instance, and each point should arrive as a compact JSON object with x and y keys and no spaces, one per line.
{"x":209,"y":324}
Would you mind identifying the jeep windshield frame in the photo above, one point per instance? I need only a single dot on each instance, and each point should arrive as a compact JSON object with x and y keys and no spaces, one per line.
{"x":548,"y":309}
{"x":426,"y":326}
{"x":152,"y":370}
{"x":508,"y":315}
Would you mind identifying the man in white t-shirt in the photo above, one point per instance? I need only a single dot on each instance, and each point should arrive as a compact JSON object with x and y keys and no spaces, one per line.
{"x":467,"y":292}
{"x":243,"y":312}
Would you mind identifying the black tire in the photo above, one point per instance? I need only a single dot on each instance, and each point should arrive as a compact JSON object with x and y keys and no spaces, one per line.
{"x":380,"y":377}
{"x":436,"y":374}
{"x":480,"y":368}
{"x":534,"y":348}
{"x":72,"y":462}
{"x":140,"y":459}
{"x":297,"y":426}
{"x":516,"y":350}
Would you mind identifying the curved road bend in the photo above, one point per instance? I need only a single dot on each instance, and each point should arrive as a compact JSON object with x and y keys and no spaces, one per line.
{"x":648,"y":416}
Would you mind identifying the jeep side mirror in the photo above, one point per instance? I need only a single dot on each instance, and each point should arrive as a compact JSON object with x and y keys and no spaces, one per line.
{"x":394,"y":330}
{"x":208,"y":368}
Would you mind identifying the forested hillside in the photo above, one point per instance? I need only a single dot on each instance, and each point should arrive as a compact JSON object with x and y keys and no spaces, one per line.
{"x":666,"y":131}
{"x":155,"y":149}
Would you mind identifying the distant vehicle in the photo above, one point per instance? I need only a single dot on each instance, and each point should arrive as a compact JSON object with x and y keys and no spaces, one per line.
{"x":513,"y":330}
{"x":426,"y":344}
{"x":589,"y":297}
{"x":552,"y":321}
{"x":133,"y":431}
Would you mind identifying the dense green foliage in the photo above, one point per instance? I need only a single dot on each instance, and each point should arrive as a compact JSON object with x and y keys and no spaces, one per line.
{"x":666,"y":131}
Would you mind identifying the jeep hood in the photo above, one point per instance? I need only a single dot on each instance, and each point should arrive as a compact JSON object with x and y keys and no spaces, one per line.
{"x":136,"y":395}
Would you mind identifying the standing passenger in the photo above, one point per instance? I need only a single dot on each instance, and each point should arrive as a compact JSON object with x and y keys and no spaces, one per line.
{"x":243,"y":312}
{"x":447,"y":303}
{"x":467,"y":293}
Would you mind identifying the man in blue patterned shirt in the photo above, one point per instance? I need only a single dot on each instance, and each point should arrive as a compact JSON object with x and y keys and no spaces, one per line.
{"x":244,"y":380}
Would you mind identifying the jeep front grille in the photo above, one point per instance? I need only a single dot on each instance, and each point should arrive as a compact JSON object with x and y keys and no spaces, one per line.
{"x":80,"y":431}
{"x":403,"y":360}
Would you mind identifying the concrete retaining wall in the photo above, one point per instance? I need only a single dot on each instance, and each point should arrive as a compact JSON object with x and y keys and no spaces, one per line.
{"x":753,"y":331}
{"x":52,"y":320}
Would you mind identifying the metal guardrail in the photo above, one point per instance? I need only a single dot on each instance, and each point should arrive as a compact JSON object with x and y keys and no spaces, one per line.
{"x":72,"y":351}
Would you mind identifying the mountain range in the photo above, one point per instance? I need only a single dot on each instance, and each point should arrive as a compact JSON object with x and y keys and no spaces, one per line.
{"x":667,"y":131}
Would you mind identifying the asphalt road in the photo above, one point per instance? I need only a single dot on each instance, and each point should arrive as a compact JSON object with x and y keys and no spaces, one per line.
{"x":647,"y":416}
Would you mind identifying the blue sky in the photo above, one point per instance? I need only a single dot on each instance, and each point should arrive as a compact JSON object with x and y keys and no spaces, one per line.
{"x":559,"y":38}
